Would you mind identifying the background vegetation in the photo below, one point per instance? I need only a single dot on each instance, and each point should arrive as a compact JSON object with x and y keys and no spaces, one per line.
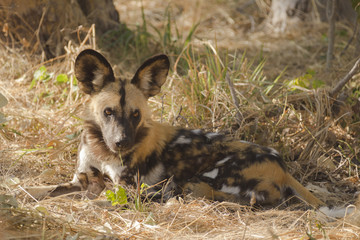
{"x":230,"y":73}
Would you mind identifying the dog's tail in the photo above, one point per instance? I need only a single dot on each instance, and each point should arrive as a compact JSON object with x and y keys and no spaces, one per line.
{"x":307,"y":196}
{"x":302,"y":192}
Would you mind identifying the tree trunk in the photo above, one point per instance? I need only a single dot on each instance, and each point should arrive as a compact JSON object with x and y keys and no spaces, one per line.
{"x":47,"y":25}
{"x":286,"y":14}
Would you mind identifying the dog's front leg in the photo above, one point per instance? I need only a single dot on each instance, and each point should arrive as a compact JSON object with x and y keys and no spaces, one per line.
{"x":91,"y":182}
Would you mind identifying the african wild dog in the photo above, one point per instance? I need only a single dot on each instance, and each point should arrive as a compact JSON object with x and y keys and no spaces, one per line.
{"x":120,"y":141}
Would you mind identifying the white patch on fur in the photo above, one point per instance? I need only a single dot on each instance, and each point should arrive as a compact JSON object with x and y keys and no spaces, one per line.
{"x":155,"y":175}
{"x":75,"y":180}
{"x":146,"y":79}
{"x":337,"y":212}
{"x":98,"y":79}
{"x":111,"y":166}
{"x":274,"y":152}
{"x":223,"y":161}
{"x":212,"y":135}
{"x":259,"y":197}
{"x":113,"y":170}
{"x":182,"y":140}
{"x":212,"y":174}
{"x":84,"y":165}
{"x":231,"y":190}
{"x":196,"y":131}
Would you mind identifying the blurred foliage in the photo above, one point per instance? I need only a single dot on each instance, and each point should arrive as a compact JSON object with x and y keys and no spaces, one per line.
{"x":146,"y":39}
{"x":306,"y":81}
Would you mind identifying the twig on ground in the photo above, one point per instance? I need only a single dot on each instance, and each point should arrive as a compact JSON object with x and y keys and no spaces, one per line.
{"x":343,"y":81}
{"x":37,"y":32}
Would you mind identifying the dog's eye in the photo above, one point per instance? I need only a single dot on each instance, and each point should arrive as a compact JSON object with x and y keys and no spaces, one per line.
{"x":136,"y":114}
{"x":108,"y":112}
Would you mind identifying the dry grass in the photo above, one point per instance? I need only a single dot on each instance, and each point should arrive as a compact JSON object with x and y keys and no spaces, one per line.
{"x":38,"y":143}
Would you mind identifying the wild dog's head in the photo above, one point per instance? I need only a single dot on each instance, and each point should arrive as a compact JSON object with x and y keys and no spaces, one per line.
{"x":119,"y":107}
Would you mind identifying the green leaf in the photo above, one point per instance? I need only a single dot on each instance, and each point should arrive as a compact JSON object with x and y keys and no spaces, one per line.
{"x":62,"y":78}
{"x":42,"y":210}
{"x":143,"y":187}
{"x":299,"y":82}
{"x":311,"y":72}
{"x":32,"y":84}
{"x":75,"y":81}
{"x":317,"y":84}
{"x":40,"y":73}
{"x":117,"y":198}
{"x":191,"y":32}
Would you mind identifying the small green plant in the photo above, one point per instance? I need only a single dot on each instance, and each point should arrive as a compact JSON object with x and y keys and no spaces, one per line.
{"x":309,"y":231}
{"x":321,"y":228}
{"x":307,"y":81}
{"x":62,"y":78}
{"x":48,"y":87}
{"x":119,"y":197}
{"x":139,"y":203}
{"x":40,"y":75}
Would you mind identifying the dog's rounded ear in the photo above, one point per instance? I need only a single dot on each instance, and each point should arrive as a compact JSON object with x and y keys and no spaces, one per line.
{"x":152,"y":75}
{"x":92,"y":71}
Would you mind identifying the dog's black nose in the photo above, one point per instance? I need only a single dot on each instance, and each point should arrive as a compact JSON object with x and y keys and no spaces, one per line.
{"x":123,"y":143}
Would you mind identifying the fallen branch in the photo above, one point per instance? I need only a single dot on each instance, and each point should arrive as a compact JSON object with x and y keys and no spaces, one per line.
{"x":343,"y":81}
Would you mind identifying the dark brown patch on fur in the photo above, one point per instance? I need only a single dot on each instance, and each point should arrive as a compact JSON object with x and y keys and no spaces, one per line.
{"x":93,"y":137}
{"x":156,"y":70}
{"x":95,"y":184}
{"x":141,"y":134}
{"x":122,"y":94}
